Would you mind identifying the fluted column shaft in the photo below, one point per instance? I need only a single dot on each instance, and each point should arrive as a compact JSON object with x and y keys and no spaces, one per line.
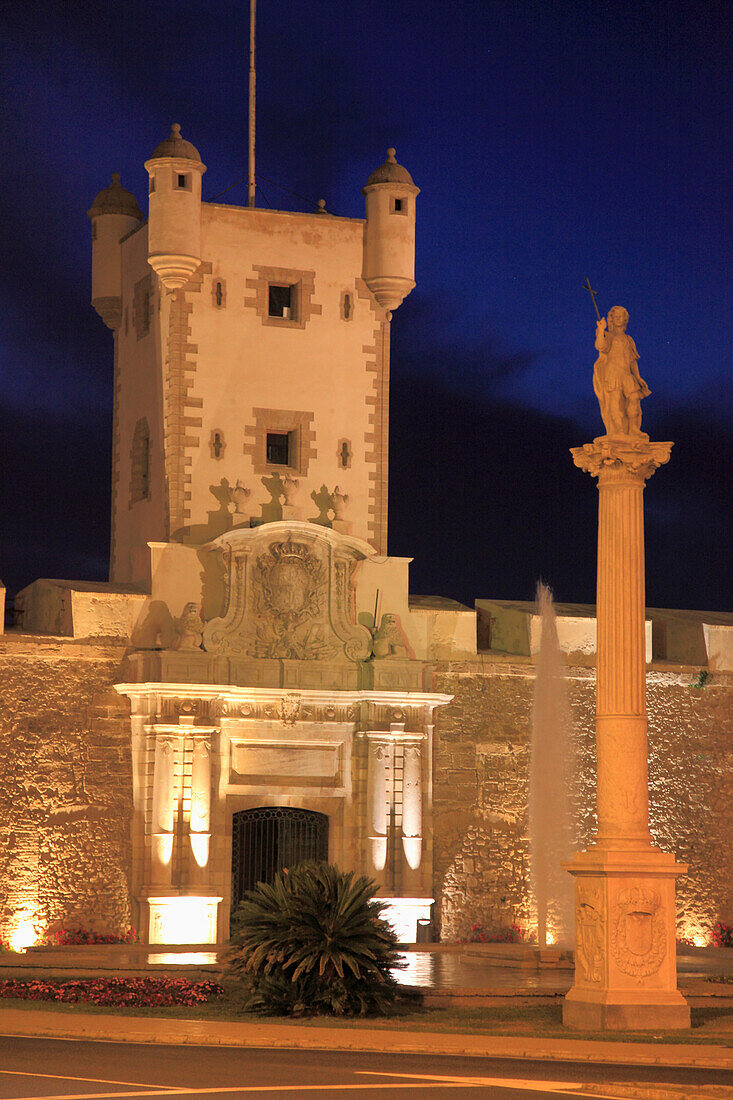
{"x":621,"y":724}
{"x":377,"y":769}
{"x":622,"y":467}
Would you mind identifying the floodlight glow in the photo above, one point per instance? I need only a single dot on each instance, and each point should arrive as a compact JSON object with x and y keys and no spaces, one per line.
{"x":183,"y":920}
{"x":23,"y":935}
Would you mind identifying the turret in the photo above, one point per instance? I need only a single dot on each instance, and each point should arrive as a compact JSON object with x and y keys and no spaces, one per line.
{"x":113,"y":213}
{"x":389,"y":244}
{"x":174,"y":226}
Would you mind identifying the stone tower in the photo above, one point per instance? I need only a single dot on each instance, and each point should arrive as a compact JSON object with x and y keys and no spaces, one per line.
{"x":252,"y":358}
{"x":278,"y":679}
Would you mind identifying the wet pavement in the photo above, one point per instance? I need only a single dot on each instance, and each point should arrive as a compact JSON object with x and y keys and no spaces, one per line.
{"x":447,"y":970}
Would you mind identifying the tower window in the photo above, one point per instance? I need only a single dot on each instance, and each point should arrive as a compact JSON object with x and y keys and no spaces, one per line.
{"x":399,"y":206}
{"x":347,"y":306}
{"x":217,"y":444}
{"x":183,"y":181}
{"x":278,"y":448}
{"x":344,"y":453}
{"x":218,"y":293}
{"x":281,"y":302}
{"x":151,"y":185}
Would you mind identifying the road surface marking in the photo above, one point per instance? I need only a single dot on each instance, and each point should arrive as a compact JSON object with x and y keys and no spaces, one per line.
{"x":289,"y":1090}
{"x":564,"y":1088}
{"x":96,"y":1080}
{"x":415,"y":1082}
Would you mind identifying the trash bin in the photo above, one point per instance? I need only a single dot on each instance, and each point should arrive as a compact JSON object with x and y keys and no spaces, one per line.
{"x":424,"y":930}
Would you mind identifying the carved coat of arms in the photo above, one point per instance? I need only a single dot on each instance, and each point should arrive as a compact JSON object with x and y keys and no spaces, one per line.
{"x":289,"y":585}
{"x":638,"y":932}
{"x":288,"y":598}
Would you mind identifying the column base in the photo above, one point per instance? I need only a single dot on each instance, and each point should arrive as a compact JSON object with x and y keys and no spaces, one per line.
{"x":585,"y":1011}
{"x":625,"y":941}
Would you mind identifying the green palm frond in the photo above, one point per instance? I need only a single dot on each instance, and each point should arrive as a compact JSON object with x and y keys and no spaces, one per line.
{"x":314,"y":940}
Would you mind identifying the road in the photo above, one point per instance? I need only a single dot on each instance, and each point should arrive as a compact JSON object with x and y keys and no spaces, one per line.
{"x":60,"y":1069}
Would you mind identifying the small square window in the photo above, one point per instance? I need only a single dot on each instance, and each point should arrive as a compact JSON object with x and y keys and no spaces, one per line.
{"x":399,"y":206}
{"x":281,"y":302}
{"x":278,"y":448}
{"x":183,"y":181}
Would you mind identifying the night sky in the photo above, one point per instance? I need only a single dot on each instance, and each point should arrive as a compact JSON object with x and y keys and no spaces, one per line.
{"x":551,"y":141}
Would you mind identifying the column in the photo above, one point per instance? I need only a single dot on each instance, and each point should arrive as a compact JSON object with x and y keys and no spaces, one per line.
{"x":377,"y":799}
{"x":200,"y":819}
{"x":165,"y":805}
{"x":625,"y":935}
{"x":412,"y":804}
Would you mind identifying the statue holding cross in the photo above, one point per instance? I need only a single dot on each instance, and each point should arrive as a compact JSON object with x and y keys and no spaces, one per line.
{"x":616,"y":380}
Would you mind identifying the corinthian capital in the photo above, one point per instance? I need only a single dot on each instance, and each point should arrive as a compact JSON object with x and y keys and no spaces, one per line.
{"x":627,"y":456}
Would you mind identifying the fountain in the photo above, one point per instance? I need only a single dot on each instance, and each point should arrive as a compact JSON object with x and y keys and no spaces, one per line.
{"x":551,"y":783}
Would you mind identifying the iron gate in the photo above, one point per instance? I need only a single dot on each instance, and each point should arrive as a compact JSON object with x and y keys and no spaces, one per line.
{"x":267,"y":839}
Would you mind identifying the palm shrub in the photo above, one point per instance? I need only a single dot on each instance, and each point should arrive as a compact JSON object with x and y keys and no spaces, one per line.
{"x":314,"y":941}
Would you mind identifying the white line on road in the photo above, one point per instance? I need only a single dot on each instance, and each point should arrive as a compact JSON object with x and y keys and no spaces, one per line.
{"x":415,"y":1083}
{"x":94,"y":1080}
{"x":564,"y":1088}
{"x":288,"y":1090}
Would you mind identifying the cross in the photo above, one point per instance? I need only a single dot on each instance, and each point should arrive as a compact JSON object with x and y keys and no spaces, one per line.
{"x":592,"y":292}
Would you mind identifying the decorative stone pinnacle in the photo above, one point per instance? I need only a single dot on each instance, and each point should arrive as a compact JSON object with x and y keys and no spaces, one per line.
{"x":115,"y":177}
{"x":391,"y":154}
{"x":636,"y":456}
{"x":176,"y":130}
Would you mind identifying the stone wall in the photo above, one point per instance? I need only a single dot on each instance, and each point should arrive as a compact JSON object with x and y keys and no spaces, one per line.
{"x":65,"y":787}
{"x":481,"y":771}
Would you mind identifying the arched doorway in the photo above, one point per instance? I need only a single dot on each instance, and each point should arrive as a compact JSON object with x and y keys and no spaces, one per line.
{"x":269,"y":838}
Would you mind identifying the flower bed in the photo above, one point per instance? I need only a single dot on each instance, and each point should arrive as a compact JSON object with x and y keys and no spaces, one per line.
{"x":74,"y":937}
{"x":723,"y":935}
{"x":512,"y":934}
{"x":116,"y":992}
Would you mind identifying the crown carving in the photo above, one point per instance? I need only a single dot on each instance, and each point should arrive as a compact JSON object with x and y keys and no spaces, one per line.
{"x":289,"y":551}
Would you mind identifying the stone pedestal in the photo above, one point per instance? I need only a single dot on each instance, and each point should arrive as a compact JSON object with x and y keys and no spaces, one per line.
{"x":625,"y":928}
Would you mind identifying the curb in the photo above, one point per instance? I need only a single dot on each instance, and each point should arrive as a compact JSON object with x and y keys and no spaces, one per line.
{"x":110,"y":1028}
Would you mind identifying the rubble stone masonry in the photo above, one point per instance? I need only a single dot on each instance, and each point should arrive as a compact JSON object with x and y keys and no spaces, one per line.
{"x":65,"y":786}
{"x":480,"y":794}
{"x":66,"y":794}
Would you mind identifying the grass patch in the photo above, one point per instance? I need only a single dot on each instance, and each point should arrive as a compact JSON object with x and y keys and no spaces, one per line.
{"x":539,"y":1021}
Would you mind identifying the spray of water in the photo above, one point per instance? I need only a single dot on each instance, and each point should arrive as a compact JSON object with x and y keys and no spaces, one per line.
{"x":551,"y":781}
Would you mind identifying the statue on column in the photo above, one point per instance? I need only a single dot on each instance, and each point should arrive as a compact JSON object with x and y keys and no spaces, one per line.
{"x":616,"y":380}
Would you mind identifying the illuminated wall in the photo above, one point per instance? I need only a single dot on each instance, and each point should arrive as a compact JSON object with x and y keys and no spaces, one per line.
{"x":65,"y":789}
{"x":66,"y":795}
{"x":481,"y":768}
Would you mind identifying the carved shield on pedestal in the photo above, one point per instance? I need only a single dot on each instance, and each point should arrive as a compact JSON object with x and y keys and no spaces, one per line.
{"x":638,"y":932}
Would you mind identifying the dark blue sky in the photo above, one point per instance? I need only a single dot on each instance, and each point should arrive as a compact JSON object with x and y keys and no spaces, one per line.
{"x":551,"y":141}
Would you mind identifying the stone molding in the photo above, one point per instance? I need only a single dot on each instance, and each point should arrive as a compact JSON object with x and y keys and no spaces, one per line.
{"x":303,"y":284}
{"x":376,"y":439}
{"x":181,"y":429}
{"x":210,"y":704}
{"x":298,"y":424}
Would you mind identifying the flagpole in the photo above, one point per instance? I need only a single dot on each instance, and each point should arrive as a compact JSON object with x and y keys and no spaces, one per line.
{"x":251,"y":165}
